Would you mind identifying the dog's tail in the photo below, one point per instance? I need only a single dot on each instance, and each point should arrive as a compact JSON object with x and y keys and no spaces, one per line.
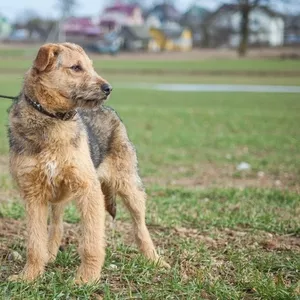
{"x":110,"y":200}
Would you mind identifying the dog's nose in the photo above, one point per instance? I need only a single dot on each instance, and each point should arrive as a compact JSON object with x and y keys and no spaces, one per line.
{"x":106,"y":88}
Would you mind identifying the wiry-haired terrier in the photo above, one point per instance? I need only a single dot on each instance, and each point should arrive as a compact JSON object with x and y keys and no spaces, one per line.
{"x":64,"y":145}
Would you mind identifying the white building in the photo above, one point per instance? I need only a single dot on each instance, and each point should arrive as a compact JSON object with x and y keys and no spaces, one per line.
{"x":266,"y":27}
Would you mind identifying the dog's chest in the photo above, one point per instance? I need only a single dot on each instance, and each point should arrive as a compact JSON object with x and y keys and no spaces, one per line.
{"x":53,"y":177}
{"x":51,"y":169}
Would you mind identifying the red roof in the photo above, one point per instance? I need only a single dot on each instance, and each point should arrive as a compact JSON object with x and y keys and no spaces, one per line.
{"x":122,"y":8}
{"x":81,"y":26}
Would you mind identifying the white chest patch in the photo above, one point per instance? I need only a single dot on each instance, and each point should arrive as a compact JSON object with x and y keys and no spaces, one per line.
{"x":51,"y":168}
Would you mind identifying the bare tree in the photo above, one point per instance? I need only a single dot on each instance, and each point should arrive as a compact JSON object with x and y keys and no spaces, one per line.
{"x":24,"y":16}
{"x":245,"y":7}
{"x":66,"y":7}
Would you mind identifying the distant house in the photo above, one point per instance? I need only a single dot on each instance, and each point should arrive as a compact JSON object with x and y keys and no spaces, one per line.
{"x":21,"y":35}
{"x":195,"y":19}
{"x":170,"y":39}
{"x":135,"y":37}
{"x":167,"y":34}
{"x":84,"y":26}
{"x":35,"y":29}
{"x":118,"y":15}
{"x":266,"y":27}
{"x":5,"y":28}
{"x":292,"y":30}
{"x":162,"y":14}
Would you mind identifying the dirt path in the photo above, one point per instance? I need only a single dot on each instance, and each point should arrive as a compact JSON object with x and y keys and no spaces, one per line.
{"x":197,"y":53}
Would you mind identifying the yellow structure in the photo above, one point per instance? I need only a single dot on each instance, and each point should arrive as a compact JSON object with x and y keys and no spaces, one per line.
{"x":170,"y":40}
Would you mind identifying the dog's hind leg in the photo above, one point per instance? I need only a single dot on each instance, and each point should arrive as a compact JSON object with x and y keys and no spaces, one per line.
{"x":56,"y":229}
{"x":134,"y":198}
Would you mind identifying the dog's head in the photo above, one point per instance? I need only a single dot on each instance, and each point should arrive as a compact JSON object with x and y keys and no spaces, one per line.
{"x":65,"y":78}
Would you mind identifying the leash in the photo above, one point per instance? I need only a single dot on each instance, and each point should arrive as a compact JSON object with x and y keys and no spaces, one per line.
{"x":8,"y":97}
{"x":62,"y":116}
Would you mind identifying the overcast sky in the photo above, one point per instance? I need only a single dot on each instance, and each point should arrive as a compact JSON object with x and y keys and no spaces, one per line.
{"x":13,"y":8}
{"x":48,"y":8}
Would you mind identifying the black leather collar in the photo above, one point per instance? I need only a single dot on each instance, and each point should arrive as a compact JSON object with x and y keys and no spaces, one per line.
{"x":59,"y":115}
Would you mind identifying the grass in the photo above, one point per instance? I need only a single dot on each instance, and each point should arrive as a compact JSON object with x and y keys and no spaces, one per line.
{"x":208,"y":126}
{"x":227,"y":234}
{"x":12,"y":82}
{"x":12,"y":52}
{"x":16,"y":59}
{"x":208,"y":260}
{"x":118,"y":79}
{"x":203,"y":65}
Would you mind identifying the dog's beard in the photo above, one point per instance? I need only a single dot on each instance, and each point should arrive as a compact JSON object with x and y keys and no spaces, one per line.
{"x":88,"y":98}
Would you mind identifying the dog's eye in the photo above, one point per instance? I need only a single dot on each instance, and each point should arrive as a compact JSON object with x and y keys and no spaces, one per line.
{"x":76,"y":68}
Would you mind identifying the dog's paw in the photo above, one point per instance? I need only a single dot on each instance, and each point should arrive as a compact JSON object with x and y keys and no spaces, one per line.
{"x":79,"y":280}
{"x":21,"y":277}
{"x":17,"y":277}
{"x":85,"y":276}
{"x":27,"y":275}
{"x":51,"y":258}
{"x":161,"y":263}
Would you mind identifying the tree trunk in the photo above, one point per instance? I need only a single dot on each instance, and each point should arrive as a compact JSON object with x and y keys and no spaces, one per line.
{"x":244,"y":32}
{"x":205,"y":36}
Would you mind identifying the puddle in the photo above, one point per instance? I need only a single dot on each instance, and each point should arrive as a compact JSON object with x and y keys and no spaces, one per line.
{"x":172,"y":87}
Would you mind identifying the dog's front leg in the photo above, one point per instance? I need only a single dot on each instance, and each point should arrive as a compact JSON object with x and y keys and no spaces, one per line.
{"x":92,"y":243}
{"x":37,"y":252}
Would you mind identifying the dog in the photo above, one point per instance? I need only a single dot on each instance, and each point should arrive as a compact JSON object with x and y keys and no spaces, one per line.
{"x":66,"y":145}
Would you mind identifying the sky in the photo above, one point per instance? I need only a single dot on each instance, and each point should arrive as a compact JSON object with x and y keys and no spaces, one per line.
{"x":48,"y":8}
{"x":14,"y":9}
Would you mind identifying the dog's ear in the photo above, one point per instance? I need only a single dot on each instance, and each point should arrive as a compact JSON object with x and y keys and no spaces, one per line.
{"x":46,"y":56}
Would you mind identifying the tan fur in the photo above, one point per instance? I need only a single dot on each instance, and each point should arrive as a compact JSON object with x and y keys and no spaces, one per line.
{"x":51,"y":163}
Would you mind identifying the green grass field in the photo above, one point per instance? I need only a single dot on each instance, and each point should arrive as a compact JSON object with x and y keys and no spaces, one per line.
{"x":191,"y":65}
{"x":14,"y":60}
{"x":227,"y":234}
